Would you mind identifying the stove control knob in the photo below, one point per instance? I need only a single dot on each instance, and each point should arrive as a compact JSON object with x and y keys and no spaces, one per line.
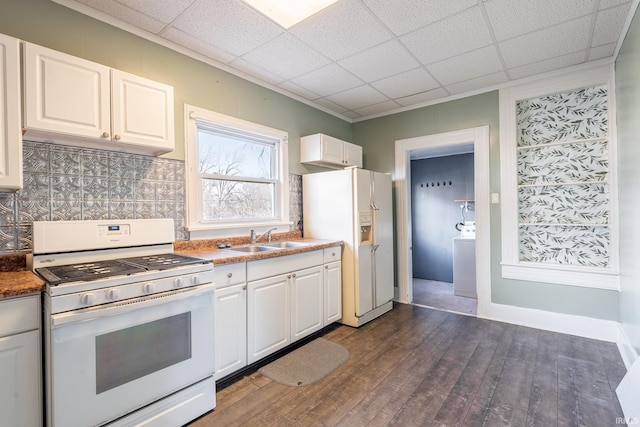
{"x":87,"y":299}
{"x":195,"y":280}
{"x":178,"y":282}
{"x":148,"y":288}
{"x":113,"y":294}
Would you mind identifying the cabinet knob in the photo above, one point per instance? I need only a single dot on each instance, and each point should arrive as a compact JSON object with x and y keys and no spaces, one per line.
{"x":244,"y":288}
{"x":326,"y":267}
{"x":294,"y":274}
{"x":117,"y":137}
{"x":229,"y":275}
{"x":288,"y":276}
{"x":105,"y":134}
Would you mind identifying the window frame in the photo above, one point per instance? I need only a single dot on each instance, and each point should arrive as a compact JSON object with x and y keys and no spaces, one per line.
{"x":512,"y":267}
{"x":194,"y":222}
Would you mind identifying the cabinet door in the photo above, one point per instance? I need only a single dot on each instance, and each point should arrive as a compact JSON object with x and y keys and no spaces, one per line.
{"x":268,"y":316}
{"x":10,"y":137}
{"x":142,"y":112}
{"x":306,"y":302}
{"x":352,"y":155}
{"x":332,"y":292}
{"x":65,"y":94}
{"x":332,"y":150}
{"x":231,"y":329}
{"x":20,"y":389}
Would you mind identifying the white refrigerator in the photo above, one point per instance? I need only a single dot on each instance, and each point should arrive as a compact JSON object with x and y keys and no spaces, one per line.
{"x":355,"y":206}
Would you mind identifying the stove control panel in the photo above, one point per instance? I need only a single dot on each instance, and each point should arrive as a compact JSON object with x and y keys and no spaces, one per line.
{"x":111,"y":230}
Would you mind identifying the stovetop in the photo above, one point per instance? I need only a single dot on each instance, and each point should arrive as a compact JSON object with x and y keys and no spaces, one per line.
{"x":90,"y":271}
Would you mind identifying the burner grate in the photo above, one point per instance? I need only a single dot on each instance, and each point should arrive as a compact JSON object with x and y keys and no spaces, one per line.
{"x":162,"y":261}
{"x":86,"y":271}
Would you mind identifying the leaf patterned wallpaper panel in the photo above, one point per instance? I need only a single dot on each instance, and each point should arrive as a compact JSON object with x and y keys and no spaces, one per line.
{"x":562,"y":245}
{"x":567,"y":116}
{"x":567,"y":163}
{"x":570,"y":204}
{"x":564,"y":200}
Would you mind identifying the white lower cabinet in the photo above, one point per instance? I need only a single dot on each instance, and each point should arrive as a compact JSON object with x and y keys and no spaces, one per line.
{"x":306,"y":302}
{"x":268,"y":316}
{"x":265,"y":305}
{"x":20,"y":362}
{"x":230,"y":318}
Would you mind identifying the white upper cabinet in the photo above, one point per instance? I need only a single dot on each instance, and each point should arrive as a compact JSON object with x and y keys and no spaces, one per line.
{"x":72,"y":100}
{"x":327,"y":151}
{"x":142,"y":111}
{"x":10,"y":137}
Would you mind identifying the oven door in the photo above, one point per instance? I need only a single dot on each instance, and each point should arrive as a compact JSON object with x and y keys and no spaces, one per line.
{"x":107,"y":361}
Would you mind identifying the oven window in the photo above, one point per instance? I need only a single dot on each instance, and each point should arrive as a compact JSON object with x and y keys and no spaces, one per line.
{"x":128,"y":354}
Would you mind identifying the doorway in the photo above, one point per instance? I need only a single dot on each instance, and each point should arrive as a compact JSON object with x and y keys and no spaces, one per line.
{"x":444,"y":143}
{"x":443,"y":231}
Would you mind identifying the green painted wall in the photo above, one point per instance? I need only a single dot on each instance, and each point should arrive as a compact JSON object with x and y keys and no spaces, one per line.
{"x":48,"y":24}
{"x":628,"y":112}
{"x":377,"y":136}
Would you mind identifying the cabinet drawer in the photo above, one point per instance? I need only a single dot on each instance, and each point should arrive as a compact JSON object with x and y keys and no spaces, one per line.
{"x":282,"y":264}
{"x":19,"y":314}
{"x":332,"y":254}
{"x":229,"y":274}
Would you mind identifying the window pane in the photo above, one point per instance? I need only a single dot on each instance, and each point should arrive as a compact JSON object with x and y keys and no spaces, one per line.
{"x":228,"y":155}
{"x":223,"y":199}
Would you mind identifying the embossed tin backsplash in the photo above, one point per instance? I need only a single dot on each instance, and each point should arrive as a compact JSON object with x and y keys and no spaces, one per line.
{"x":70,"y":183}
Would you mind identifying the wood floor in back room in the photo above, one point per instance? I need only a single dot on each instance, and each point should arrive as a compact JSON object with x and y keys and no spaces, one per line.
{"x":439,"y":295}
{"x":416,"y":366}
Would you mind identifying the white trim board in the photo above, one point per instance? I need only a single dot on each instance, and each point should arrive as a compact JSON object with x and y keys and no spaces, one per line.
{"x":479,"y":136}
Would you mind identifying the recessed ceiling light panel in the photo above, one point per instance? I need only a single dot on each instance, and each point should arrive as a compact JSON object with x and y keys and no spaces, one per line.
{"x":287,"y":13}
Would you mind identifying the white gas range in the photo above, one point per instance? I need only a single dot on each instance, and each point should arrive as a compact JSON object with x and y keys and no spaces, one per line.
{"x":128,"y":324}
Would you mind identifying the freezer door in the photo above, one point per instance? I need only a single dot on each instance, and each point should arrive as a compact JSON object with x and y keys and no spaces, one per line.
{"x":382,"y":238}
{"x":364,"y":292}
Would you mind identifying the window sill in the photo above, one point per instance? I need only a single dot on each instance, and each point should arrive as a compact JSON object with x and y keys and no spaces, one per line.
{"x":211,"y":231}
{"x":563,"y":275}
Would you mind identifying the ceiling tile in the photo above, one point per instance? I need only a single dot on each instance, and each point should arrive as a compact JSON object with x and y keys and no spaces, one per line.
{"x":185,"y":40}
{"x":514,"y":18}
{"x":381,"y":61}
{"x":377,"y":108}
{"x":545,"y":44}
{"x":165,"y":11}
{"x":358,"y":97}
{"x":254,"y":70}
{"x":422,"y":97}
{"x":466,"y":66}
{"x":547,"y":65}
{"x":407,"y":83}
{"x":478,"y":83}
{"x":228,"y":23}
{"x":286,"y":56}
{"x":342,"y":29}
{"x":297,"y":90}
{"x":330,"y":105}
{"x":402,"y":16}
{"x":602,"y":51}
{"x":609,"y":22}
{"x":604,"y":4}
{"x":457,"y":34}
{"x":328,"y":80}
{"x":126,"y":14}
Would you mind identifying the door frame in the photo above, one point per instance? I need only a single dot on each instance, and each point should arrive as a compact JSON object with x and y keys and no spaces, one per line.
{"x":479,"y":136}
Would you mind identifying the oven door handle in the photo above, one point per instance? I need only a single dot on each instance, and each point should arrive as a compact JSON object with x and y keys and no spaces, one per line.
{"x":126,"y":306}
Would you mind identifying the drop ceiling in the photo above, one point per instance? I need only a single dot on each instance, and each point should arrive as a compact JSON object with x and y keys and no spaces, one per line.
{"x":359,"y":59}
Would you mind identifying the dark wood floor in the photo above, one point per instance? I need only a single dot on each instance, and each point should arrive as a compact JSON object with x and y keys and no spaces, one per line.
{"x":416,"y":366}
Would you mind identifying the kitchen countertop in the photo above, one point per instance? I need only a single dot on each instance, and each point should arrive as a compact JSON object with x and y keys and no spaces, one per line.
{"x":208,"y":250}
{"x":16,"y":280}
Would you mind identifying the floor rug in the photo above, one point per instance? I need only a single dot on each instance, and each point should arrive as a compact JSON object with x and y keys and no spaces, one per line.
{"x":307,"y":364}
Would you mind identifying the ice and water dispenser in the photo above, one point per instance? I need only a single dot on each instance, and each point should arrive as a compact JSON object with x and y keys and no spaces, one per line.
{"x":366,"y":223}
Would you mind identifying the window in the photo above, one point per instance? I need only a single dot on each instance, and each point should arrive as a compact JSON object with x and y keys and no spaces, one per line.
{"x":236,"y":173}
{"x":558,"y":183}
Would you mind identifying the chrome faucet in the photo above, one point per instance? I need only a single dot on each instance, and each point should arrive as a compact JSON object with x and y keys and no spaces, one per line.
{"x":254,"y":239}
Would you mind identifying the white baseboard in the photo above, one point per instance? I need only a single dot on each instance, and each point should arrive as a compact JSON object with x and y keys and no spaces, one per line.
{"x":605,"y":330}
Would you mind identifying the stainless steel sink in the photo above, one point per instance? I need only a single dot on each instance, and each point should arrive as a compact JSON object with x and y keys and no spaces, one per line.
{"x":253,"y":248}
{"x":285,"y":245}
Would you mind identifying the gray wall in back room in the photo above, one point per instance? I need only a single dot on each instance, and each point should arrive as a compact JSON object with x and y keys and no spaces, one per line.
{"x":435,"y":184}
